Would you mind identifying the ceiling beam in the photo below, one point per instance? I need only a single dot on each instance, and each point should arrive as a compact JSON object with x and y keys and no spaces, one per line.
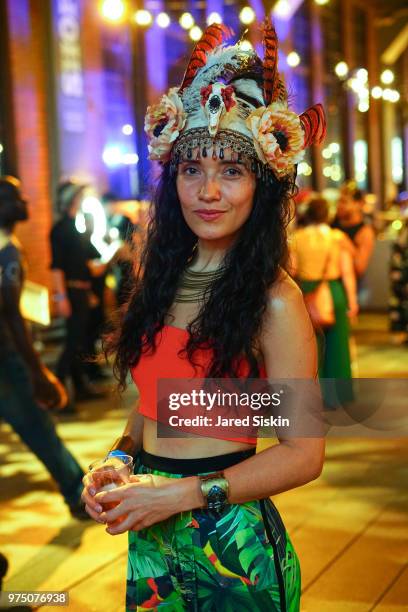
{"x":396,"y":47}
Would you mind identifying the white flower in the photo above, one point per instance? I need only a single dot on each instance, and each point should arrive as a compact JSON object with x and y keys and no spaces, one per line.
{"x":278,"y":137}
{"x":163,"y":124}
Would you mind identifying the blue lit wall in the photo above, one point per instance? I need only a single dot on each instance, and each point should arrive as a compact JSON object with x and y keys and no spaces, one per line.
{"x":118,"y":103}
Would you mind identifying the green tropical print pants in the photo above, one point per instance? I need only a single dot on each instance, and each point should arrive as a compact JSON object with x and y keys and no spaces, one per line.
{"x":239,"y":560}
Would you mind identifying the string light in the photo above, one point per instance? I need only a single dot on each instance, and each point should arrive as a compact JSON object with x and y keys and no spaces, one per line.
{"x":394,"y":96}
{"x":163,"y":20}
{"x":143,"y":17}
{"x":196,"y":33}
{"x":293,"y":59}
{"x":247,"y":15}
{"x":246,"y":45}
{"x":322,"y":2}
{"x":186,"y":21}
{"x":387,"y":77}
{"x":391,"y":95}
{"x":113,"y":10}
{"x":214,"y":18}
{"x":377,"y":92}
{"x":334,"y":147}
{"x":341,"y":69}
{"x":282,"y":8}
{"x":363,"y":106}
{"x":362,"y":75}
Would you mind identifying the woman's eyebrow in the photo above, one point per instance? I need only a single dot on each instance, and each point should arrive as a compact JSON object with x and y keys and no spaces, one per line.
{"x":233,"y":161}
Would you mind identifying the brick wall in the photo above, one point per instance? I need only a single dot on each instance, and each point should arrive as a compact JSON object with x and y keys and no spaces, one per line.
{"x":27,"y":38}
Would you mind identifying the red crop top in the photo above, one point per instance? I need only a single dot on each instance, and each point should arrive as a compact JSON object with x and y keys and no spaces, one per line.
{"x":166,"y":363}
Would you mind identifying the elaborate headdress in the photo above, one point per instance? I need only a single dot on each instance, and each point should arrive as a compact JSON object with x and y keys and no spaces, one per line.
{"x":230,"y":98}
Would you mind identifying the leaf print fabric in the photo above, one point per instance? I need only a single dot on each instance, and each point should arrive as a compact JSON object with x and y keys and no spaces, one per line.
{"x":236,"y":561}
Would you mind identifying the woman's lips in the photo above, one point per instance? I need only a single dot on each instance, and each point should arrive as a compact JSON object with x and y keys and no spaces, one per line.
{"x":209,"y":215}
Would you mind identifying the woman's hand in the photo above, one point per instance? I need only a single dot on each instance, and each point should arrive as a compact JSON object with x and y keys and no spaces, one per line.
{"x":92,"y":507}
{"x":147,"y":500}
{"x":352,"y":311}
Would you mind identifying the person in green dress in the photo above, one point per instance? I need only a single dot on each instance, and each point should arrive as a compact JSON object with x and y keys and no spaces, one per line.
{"x":212,"y":301}
{"x":318,"y":251}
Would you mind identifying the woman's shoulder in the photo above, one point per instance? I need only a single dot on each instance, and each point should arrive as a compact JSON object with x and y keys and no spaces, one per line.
{"x":287,"y":331}
{"x":285,"y":302}
{"x":284,"y":289}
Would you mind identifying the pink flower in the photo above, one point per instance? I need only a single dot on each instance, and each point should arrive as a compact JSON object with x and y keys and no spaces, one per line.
{"x":278,"y":137}
{"x":163,"y":124}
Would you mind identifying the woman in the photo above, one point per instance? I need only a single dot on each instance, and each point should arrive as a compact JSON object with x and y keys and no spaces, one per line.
{"x":213,"y":301}
{"x":320,"y":251}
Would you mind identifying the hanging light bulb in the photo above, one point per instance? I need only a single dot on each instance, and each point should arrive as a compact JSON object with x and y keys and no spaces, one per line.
{"x":293,"y":59}
{"x":387,"y":77}
{"x":246,"y":45}
{"x":394,"y":96}
{"x":362,"y":75}
{"x":341,"y":69}
{"x":113,"y":10}
{"x":143,"y":17}
{"x":163,"y":20}
{"x":377,"y":92}
{"x":214,"y":18}
{"x":247,"y":15}
{"x":282,"y":9}
{"x":196,"y":33}
{"x":186,"y":21}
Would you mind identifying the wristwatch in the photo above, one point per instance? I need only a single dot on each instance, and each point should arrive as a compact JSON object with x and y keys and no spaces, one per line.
{"x":214,"y":488}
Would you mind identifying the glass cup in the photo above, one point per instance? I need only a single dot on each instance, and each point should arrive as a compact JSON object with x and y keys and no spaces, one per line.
{"x":110,"y":473}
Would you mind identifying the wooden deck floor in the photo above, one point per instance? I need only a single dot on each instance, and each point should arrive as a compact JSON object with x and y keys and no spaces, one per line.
{"x":350,"y":527}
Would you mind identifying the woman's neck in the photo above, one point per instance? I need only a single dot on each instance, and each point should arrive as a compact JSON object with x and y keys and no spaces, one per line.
{"x":209,"y":256}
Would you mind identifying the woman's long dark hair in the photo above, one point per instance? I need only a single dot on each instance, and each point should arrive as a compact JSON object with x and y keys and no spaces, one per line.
{"x":230,"y":321}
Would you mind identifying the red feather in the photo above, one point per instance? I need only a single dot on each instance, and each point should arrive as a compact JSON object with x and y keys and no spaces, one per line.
{"x":314,"y":124}
{"x":212,"y":37}
{"x":270,"y":63}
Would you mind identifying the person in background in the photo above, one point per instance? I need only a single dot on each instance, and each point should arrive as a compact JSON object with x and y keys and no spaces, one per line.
{"x":74,"y":264}
{"x":398,"y":306}
{"x":27,"y":387}
{"x":124,"y":263}
{"x":96,"y":318}
{"x":319,"y":250}
{"x":350,"y":220}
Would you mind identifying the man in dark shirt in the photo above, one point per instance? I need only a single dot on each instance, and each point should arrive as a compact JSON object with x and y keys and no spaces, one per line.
{"x":73,"y":265}
{"x":27,"y":388}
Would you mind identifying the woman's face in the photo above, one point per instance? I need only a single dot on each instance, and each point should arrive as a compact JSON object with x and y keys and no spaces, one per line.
{"x":216,"y":196}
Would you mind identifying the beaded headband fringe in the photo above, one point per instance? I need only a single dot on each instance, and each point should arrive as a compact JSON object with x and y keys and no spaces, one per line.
{"x":231,"y":99}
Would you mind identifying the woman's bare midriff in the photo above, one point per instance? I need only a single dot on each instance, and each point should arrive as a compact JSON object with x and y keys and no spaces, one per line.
{"x":187,"y":448}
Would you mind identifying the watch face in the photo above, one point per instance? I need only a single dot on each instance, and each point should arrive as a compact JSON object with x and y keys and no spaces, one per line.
{"x":216,"y":498}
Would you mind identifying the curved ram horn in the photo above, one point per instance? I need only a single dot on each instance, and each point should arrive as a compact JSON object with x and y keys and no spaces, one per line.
{"x":270,"y":63}
{"x":212,"y":37}
{"x":314,"y":125}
